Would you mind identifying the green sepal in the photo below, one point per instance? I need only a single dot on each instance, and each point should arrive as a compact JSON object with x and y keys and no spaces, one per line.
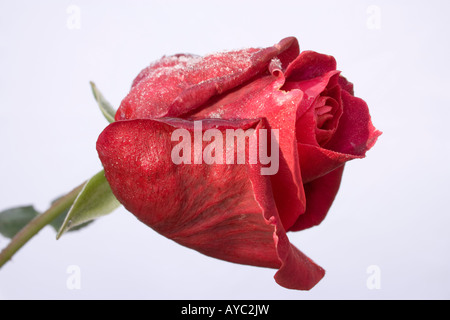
{"x":105,"y":107}
{"x":95,"y":200}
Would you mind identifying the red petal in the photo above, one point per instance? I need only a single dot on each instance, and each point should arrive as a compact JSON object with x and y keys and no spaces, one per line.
{"x":309,"y":65}
{"x":262,"y":98}
{"x":352,"y":132}
{"x":316,"y":162}
{"x":179,"y":84}
{"x":355,"y":134}
{"x":346,"y":85}
{"x":224,"y":211}
{"x":297,"y":271}
{"x":326,"y":84}
{"x":320,"y":194}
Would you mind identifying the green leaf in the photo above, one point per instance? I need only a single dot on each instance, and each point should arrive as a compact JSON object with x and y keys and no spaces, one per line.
{"x":106,"y":108}
{"x":14,"y":219}
{"x":95,"y":200}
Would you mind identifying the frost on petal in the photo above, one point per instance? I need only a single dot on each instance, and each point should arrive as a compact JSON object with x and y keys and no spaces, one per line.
{"x":223,"y":211}
{"x":179,"y":84}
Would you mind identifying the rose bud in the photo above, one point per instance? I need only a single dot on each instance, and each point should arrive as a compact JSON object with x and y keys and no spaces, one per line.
{"x":170,"y":161}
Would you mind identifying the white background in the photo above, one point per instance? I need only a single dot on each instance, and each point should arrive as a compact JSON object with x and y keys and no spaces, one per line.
{"x":392,"y":210}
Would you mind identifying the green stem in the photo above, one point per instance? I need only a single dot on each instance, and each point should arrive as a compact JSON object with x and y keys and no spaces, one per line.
{"x":35,"y":225}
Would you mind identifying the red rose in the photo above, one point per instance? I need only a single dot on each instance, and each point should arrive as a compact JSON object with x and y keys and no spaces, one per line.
{"x":233,"y":211}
